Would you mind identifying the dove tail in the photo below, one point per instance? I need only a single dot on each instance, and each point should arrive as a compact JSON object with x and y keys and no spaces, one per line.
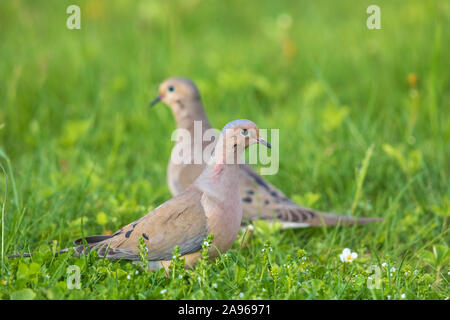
{"x":79,"y":249}
{"x":298,"y":217}
{"x":29,"y":254}
{"x":331,"y":219}
{"x":19,"y":255}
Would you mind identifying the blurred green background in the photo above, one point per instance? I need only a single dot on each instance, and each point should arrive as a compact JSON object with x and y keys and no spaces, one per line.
{"x":82,"y":141}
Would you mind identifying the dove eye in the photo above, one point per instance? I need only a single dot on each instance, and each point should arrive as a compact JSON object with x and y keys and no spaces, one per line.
{"x":171,"y":88}
{"x":244,"y":132}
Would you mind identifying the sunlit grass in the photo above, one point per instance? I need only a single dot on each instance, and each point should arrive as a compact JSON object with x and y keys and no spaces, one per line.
{"x":364,"y":128}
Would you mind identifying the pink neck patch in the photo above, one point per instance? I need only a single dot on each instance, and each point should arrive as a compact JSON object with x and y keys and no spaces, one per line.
{"x":217,"y":170}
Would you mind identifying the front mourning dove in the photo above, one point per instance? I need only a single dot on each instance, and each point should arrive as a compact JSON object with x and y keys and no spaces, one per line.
{"x":261,"y":200}
{"x":210,"y":205}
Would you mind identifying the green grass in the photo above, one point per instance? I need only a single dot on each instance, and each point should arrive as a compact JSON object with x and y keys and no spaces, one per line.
{"x":85,"y":154}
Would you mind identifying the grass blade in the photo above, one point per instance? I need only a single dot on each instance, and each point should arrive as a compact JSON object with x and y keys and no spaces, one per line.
{"x":362,"y":176}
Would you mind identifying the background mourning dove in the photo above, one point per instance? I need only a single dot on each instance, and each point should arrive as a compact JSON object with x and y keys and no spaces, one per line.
{"x":261,"y":200}
{"x":210,"y":205}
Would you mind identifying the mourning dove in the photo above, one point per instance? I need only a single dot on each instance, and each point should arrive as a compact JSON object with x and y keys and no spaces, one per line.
{"x":210,"y":205}
{"x":261,"y":200}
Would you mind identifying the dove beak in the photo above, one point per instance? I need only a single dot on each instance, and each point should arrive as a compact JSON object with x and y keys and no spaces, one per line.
{"x":264,"y":142}
{"x":155,"y":101}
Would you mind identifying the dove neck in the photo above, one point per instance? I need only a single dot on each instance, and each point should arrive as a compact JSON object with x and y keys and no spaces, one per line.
{"x":221,"y":175}
{"x":219,"y":180}
{"x":191,"y":111}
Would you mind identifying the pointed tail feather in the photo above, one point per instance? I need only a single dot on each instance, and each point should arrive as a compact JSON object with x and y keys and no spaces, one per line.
{"x":300,"y":217}
{"x":79,"y":249}
{"x":19,"y":255}
{"x":29,"y":254}
{"x":98,"y":242}
{"x":330,"y":219}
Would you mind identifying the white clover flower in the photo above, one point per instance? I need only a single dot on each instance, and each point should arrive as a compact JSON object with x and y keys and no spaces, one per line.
{"x":128,"y":277}
{"x":347,"y":255}
{"x":416,"y":271}
{"x":389,"y":297}
{"x":199,"y":279}
{"x":206,"y":243}
{"x":270,"y":249}
{"x":136,"y":272}
{"x":163,"y":291}
{"x":393,"y":269}
{"x":241,"y":295}
{"x":180,"y":276}
{"x":263,"y":249}
{"x":446,"y":298}
{"x":384,"y":264}
{"x":403,"y":296}
{"x":215,"y":285}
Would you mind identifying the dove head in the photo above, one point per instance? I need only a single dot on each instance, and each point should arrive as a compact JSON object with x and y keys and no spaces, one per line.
{"x":236,"y":136}
{"x":177,"y":93}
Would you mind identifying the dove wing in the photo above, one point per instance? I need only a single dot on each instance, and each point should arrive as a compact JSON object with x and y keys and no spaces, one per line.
{"x":261,"y":200}
{"x":181,"y":221}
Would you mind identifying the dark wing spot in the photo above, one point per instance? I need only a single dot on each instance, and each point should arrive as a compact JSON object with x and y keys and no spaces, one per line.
{"x":304,"y":216}
{"x":274,"y":194}
{"x":294,"y":217}
{"x":145,"y":236}
{"x":250,"y":192}
{"x":128,"y":234}
{"x":174,"y":216}
{"x":266,"y":202}
{"x":260,"y":181}
{"x":247,"y":199}
{"x":280,"y":215}
{"x":311,"y":213}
